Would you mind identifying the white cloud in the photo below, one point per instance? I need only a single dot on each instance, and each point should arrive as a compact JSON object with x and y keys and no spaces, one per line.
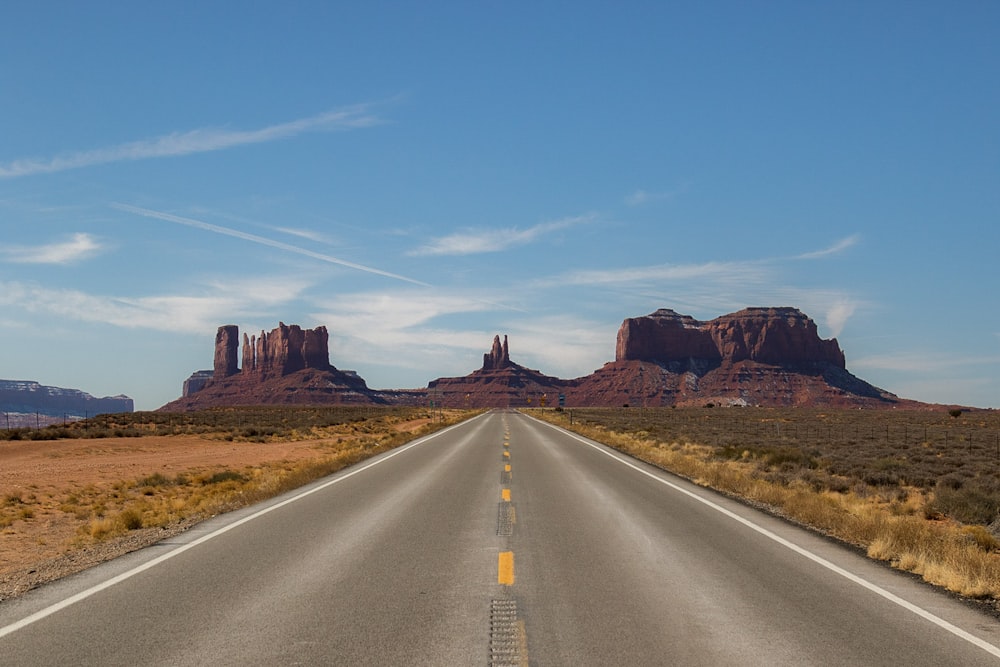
{"x":385,"y":314}
{"x":404,"y":329}
{"x":81,"y":246}
{"x":170,"y":313}
{"x":201,"y":140}
{"x":838,"y":247}
{"x":494,"y":240}
{"x":640,"y":197}
{"x":921,"y":362}
{"x":413,"y":330}
{"x":838,"y":314}
{"x":712,"y":271}
{"x":566,"y":346}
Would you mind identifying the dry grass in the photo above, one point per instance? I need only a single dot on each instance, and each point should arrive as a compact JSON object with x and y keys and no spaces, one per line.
{"x":59,"y":499}
{"x":896,"y":522}
{"x":158,"y":501}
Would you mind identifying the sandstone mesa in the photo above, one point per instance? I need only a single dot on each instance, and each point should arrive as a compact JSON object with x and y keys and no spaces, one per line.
{"x":754,"y":357}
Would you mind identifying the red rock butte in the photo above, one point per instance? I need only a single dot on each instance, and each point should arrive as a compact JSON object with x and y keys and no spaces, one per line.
{"x":288,"y":365}
{"x":779,"y":336}
{"x":755,"y":357}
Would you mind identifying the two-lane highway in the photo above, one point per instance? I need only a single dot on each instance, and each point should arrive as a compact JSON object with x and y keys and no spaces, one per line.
{"x":501,"y":540}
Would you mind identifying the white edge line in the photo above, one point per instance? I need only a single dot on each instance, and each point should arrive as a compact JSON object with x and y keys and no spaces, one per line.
{"x":891,"y":597}
{"x":104,"y":585}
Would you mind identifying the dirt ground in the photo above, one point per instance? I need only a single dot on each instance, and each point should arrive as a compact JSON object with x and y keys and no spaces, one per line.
{"x":38,"y":478}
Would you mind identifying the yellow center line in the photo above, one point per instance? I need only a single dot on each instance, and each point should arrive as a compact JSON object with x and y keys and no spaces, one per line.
{"x":506,"y":468}
{"x":505,"y":568}
{"x":506,"y":454}
{"x":505,"y":495}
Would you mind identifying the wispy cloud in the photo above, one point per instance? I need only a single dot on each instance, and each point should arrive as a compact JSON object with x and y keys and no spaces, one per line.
{"x":473,"y":242}
{"x":403,"y":309}
{"x":640,"y":196}
{"x":922,"y":362}
{"x":423,"y":331}
{"x":838,"y":313}
{"x":405,"y":327}
{"x":714,"y":288}
{"x":836,"y":248}
{"x":253,"y":238}
{"x":715,"y":271}
{"x":79,"y":247}
{"x":172,"y":313}
{"x":583,"y":344}
{"x":201,"y":140}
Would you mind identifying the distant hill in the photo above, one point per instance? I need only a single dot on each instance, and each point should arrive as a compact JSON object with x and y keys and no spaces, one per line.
{"x":22,"y":400}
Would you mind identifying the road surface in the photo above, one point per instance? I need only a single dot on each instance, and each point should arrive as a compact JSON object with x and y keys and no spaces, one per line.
{"x":501,"y":540}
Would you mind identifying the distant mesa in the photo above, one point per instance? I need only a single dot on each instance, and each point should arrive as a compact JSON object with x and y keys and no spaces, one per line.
{"x":28,"y":403}
{"x":287,"y":365}
{"x":754,"y":357}
{"x":499,"y":383}
{"x":778,"y":336}
{"x":281,"y":352}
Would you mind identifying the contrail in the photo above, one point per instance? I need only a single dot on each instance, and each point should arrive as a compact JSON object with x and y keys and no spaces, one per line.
{"x":253,"y":238}
{"x":202,"y":140}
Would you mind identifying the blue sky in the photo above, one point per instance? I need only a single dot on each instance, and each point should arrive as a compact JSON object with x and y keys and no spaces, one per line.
{"x":421,"y":176}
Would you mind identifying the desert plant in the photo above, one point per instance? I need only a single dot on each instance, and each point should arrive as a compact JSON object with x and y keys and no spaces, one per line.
{"x":130,"y":519}
{"x":861,"y":489}
{"x":976,"y":503}
{"x":156,"y":479}
{"x":225,"y":476}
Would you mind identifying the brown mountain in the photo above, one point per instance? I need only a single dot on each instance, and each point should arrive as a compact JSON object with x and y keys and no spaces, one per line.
{"x":499,"y":383}
{"x":757,"y":356}
{"x":287,"y":365}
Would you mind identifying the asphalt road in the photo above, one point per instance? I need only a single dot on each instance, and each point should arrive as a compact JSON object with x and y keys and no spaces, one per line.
{"x":499,"y":541}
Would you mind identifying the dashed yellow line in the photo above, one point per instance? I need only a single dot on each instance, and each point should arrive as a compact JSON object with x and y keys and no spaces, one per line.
{"x":505,"y":495}
{"x":506,"y":455}
{"x":505,"y":568}
{"x":506,"y":468}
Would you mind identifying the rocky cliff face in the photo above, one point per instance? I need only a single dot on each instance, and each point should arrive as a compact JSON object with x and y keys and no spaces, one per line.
{"x":499,"y":355}
{"x":287,"y":365}
{"x":499,"y":383}
{"x":757,"y":356}
{"x":226,"y":341}
{"x":281,"y":351}
{"x":777,"y":336}
{"x":665,"y":336}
